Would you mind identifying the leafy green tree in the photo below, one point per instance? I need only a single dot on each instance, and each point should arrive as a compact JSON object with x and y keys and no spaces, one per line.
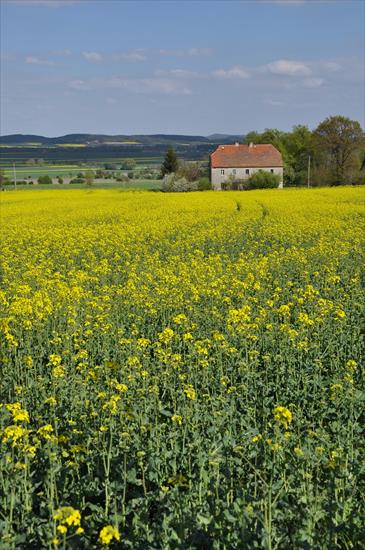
{"x":128,"y":164}
{"x":45,"y":180}
{"x":338,"y":140}
{"x":89,"y":178}
{"x":3,"y":179}
{"x":170,"y":164}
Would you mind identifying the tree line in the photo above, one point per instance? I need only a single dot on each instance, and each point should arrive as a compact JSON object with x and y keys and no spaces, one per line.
{"x":331,"y":154}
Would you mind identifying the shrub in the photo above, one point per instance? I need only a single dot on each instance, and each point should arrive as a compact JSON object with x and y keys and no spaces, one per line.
{"x":263,"y":180}
{"x":175,"y":184}
{"x":77,"y":180}
{"x":45,"y":179}
{"x":204,"y":184}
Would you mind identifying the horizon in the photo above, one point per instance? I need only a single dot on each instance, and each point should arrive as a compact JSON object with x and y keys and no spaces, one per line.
{"x":184,"y":68}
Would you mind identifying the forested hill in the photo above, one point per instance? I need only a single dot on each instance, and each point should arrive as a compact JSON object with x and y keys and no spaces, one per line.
{"x":117,"y":140}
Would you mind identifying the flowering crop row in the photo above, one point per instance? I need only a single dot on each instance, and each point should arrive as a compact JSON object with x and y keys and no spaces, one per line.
{"x":181,"y":371}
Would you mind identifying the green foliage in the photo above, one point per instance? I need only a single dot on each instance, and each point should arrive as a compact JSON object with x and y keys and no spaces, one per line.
{"x":258,"y":180}
{"x":170,"y":164}
{"x":128,"y":164}
{"x":89,"y":178}
{"x":204,"y":184}
{"x":46,"y":179}
{"x":338,"y":139}
{"x":3,"y":179}
{"x":263,"y":180}
{"x":192,"y":171}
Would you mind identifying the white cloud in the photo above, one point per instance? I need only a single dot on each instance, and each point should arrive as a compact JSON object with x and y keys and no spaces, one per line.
{"x":94,"y":57}
{"x":234,"y":72}
{"x":31,"y":60}
{"x":194,"y":52}
{"x":134,"y":55}
{"x":135,"y":85}
{"x":200,"y":51}
{"x":65,"y":52}
{"x":286,"y":67}
{"x":179,"y":73}
{"x":313,"y":82}
{"x":331,"y":66}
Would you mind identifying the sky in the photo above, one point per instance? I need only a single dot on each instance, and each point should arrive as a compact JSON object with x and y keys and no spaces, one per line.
{"x":180,"y":67}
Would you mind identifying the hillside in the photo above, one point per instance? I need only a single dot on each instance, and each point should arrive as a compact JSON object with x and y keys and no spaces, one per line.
{"x":120,"y":139}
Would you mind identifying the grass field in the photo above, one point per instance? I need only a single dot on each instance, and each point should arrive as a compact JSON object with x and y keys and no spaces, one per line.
{"x":182,"y":370}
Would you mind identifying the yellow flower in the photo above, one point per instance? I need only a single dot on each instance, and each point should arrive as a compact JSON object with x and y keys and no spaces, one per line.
{"x":18,"y":414}
{"x":13,"y":433}
{"x":107,"y":534}
{"x":177,"y":419}
{"x":283,"y":416}
{"x":190,"y":392}
{"x":67,"y":516}
{"x":166,"y":335}
{"x":46,"y":431}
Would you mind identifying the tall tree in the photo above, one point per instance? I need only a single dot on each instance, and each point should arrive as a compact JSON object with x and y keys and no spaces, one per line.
{"x":170,"y":163}
{"x":338,"y":140}
{"x":89,"y":178}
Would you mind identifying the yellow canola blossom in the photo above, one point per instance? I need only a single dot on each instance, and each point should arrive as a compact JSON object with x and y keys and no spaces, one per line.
{"x":153,"y":345}
{"x":108,"y":534}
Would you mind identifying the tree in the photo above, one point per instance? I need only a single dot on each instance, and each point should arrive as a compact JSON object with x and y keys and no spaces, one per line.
{"x":3,"y":179}
{"x":338,"y":140}
{"x":46,"y":179}
{"x":89,"y":178}
{"x":170,"y":164}
{"x":128,"y":164}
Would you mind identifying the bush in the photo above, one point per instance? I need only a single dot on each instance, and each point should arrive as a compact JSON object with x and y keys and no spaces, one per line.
{"x":128,"y":164}
{"x":204,"y":184}
{"x":45,"y":179}
{"x":175,"y":184}
{"x":77,"y":180}
{"x":263,"y":180}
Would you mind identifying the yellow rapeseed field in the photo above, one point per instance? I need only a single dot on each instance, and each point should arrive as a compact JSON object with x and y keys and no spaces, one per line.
{"x":182,"y":370}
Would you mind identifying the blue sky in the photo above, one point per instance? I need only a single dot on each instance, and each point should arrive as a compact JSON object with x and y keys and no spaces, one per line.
{"x":183,"y":67}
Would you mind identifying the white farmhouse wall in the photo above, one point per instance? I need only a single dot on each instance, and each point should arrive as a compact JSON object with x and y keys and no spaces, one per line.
{"x":218,"y":178}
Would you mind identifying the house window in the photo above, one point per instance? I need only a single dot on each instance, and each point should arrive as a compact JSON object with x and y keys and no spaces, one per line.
{"x":222,"y":172}
{"x":234,"y":171}
{"x":272,"y":170}
{"x":247,"y":171}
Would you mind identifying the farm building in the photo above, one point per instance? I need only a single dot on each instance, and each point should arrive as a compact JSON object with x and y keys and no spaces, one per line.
{"x":238,"y":162}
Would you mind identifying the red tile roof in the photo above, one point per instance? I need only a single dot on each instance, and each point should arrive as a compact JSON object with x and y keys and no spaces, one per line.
{"x":250,"y":156}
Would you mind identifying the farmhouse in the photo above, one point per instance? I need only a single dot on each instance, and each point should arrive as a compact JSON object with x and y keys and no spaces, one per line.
{"x":238,"y":162}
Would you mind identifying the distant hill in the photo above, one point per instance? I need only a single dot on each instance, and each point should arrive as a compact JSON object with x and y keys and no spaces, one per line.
{"x":116,"y":140}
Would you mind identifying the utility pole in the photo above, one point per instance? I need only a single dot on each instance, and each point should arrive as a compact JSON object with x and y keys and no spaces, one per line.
{"x":14,"y":172}
{"x":309,"y":171}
